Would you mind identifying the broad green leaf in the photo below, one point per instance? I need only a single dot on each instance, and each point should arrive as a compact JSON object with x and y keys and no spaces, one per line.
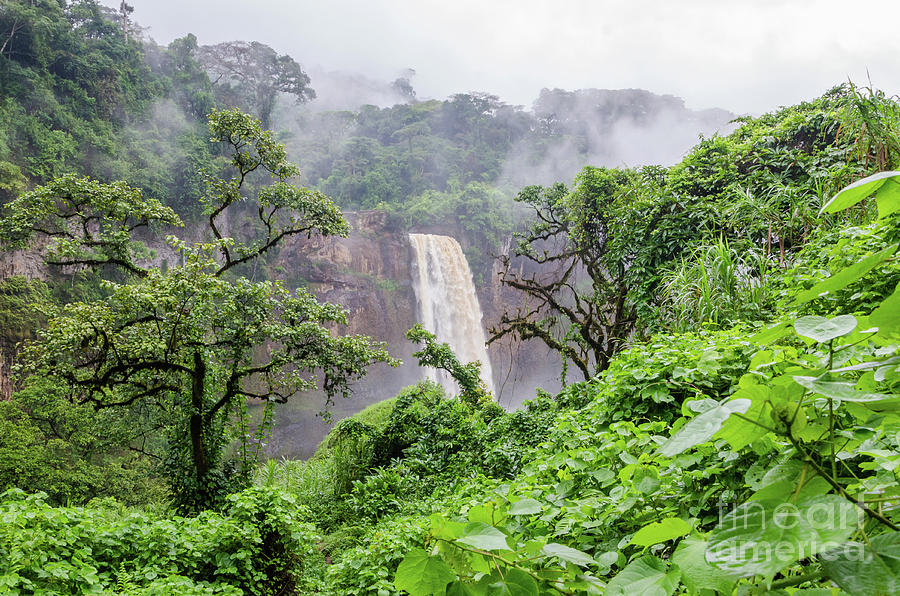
{"x":488,"y":513}
{"x":821,"y":329}
{"x":770,"y":334}
{"x":884,"y":373}
{"x":812,"y":432}
{"x":888,"y":198}
{"x":842,"y":391}
{"x":566,"y":553}
{"x":866,"y":570}
{"x":739,"y":431}
{"x":480,"y":563}
{"x":515,"y":582}
{"x":873,"y":364}
{"x":647,"y":576}
{"x":777,"y":490}
{"x":606,"y":561}
{"x":782,"y":479}
{"x":696,"y":573}
{"x":661,"y":531}
{"x":459,"y":588}
{"x":482,"y":536}
{"x":525,"y":507}
{"x":845,"y":276}
{"x":886,"y":184}
{"x":887,"y":316}
{"x":645,"y":479}
{"x":763,"y":537}
{"x":422,"y":575}
{"x":444,"y":528}
{"x":698,"y":406}
{"x":703,"y":427}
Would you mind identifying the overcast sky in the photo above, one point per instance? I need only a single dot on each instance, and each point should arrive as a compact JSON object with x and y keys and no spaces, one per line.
{"x":742,"y":55}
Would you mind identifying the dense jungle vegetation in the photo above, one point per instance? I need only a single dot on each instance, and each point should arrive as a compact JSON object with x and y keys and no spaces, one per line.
{"x":734,"y":321}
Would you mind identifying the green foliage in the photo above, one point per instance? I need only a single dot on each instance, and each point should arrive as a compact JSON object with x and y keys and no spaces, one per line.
{"x":375,"y":417}
{"x":73,"y":453}
{"x":717,"y":285}
{"x":883,"y":186}
{"x":382,"y":493}
{"x":258,"y":545}
{"x":368,"y":568}
{"x":603,"y":244}
{"x":77,"y":95}
{"x":799,"y":435}
{"x":250,"y":76}
{"x":89,"y":223}
{"x":20,"y":304}
{"x":873,"y":124}
{"x":843,"y":271}
{"x":415,"y":156}
{"x":625,"y":250}
{"x":652,"y":380}
{"x":182,"y":340}
{"x":701,"y":461}
{"x":473,"y":391}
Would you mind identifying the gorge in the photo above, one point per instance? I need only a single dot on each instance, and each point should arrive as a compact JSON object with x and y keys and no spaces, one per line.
{"x":374,"y":273}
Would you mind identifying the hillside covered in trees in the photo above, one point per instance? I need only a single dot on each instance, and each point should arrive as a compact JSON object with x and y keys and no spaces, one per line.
{"x":728,"y":323}
{"x":81,"y":95}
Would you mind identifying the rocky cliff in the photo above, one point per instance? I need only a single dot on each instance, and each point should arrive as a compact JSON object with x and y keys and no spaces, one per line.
{"x":370,"y":273}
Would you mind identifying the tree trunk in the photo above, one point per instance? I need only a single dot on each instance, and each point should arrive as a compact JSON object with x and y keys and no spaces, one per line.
{"x":201,"y":462}
{"x":12,"y":33}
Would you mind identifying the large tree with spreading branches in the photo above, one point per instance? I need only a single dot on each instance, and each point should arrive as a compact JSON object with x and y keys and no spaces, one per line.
{"x":250,"y":76}
{"x":197,"y":340}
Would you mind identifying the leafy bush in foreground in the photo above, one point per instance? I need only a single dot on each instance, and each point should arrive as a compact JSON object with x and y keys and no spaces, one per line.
{"x":259,"y":545}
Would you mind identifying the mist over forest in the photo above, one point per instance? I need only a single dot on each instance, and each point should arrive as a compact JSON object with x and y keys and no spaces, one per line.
{"x":272,"y":327}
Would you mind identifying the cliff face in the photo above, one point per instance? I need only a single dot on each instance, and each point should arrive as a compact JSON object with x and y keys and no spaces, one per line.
{"x":369,"y":273}
{"x":15,"y":263}
{"x":27,"y":263}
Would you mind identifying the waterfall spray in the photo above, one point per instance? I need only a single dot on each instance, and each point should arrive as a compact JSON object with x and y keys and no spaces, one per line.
{"x":448,"y":304}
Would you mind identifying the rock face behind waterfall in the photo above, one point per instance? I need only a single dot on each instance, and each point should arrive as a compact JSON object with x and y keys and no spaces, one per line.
{"x":373,"y":274}
{"x":448,"y":304}
{"x":369,"y":274}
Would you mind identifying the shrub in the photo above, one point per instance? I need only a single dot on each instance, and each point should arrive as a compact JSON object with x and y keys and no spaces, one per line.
{"x":259,"y":545}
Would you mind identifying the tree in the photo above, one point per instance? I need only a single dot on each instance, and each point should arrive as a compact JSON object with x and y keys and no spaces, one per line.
{"x":22,"y":23}
{"x":472,"y":390}
{"x":592,"y":261}
{"x":402,"y":85}
{"x":251,"y":75}
{"x":125,"y":10}
{"x":197,"y":340}
{"x":190,"y":86}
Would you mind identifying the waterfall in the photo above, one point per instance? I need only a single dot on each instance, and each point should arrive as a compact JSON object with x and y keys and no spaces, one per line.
{"x":448,"y":304}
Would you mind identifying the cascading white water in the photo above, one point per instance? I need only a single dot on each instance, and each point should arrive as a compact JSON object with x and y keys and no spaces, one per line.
{"x":448,"y":304}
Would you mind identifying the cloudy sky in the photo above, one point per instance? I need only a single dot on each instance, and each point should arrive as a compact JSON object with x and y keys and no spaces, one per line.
{"x":748,"y":56}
